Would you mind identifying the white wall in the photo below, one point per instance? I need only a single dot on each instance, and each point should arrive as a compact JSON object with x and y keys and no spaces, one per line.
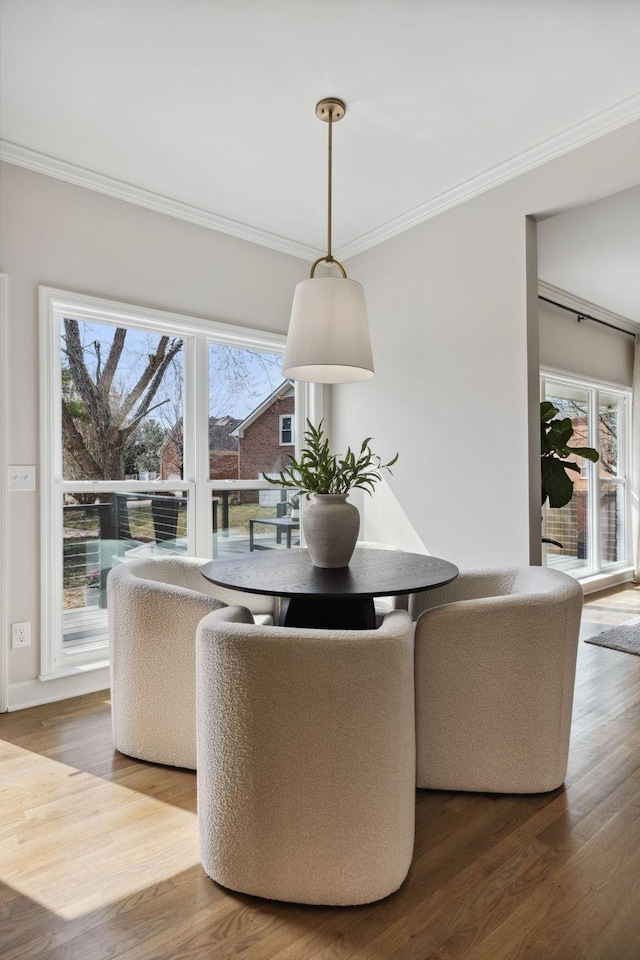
{"x":594,"y":252}
{"x":67,"y":237}
{"x":585,"y":348}
{"x":451,"y":367}
{"x":448,"y":312}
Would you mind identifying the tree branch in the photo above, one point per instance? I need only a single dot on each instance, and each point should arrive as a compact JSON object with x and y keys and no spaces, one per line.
{"x":74,"y":445}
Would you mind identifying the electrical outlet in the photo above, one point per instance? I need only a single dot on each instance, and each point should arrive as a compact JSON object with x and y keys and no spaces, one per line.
{"x":20,"y":634}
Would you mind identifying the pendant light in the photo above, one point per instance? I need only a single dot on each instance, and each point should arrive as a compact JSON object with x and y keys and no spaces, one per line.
{"x":328,"y":340}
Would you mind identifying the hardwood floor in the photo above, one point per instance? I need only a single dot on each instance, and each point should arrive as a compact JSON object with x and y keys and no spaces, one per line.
{"x":98,"y":853}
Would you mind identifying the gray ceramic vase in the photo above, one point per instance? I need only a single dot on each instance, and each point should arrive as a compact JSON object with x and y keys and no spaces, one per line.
{"x":331,"y":527}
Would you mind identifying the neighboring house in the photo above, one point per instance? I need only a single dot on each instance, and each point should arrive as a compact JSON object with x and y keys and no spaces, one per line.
{"x":266,"y":438}
{"x":223,"y":450}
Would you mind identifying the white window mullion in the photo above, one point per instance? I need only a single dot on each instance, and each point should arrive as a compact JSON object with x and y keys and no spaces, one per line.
{"x":200,"y":433}
{"x":189,"y":438}
{"x":594,"y":550}
{"x":310,"y":399}
{"x":626,"y":433}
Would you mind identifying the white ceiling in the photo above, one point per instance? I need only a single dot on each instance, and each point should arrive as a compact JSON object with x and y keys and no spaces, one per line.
{"x":206,"y":108}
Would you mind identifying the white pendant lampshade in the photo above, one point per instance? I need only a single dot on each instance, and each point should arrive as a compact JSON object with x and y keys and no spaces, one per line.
{"x":328,"y":338}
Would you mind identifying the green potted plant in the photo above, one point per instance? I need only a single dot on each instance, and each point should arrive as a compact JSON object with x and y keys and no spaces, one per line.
{"x":556,"y":483}
{"x":331,"y":524}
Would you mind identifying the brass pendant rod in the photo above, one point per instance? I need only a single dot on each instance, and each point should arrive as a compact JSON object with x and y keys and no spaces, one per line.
{"x":329,"y":110}
{"x":329,"y":256}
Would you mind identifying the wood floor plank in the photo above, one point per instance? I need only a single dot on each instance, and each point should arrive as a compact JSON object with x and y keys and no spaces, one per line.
{"x":575,"y":904}
{"x":99,"y":857}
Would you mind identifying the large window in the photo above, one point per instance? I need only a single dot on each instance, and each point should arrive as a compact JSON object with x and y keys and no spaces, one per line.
{"x":593,"y":528}
{"x":156,"y":431}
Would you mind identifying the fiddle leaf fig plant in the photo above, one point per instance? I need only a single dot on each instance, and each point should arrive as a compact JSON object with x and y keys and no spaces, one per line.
{"x":320,"y":471}
{"x":557,"y":485}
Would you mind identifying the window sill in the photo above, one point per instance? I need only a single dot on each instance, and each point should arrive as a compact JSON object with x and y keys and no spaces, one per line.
{"x":603,"y":581}
{"x":74,"y":670}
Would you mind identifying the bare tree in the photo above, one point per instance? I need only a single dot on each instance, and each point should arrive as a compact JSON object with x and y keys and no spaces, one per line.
{"x":99,"y":417}
{"x":109,"y":392}
{"x":607,"y":440}
{"x":239,"y":373}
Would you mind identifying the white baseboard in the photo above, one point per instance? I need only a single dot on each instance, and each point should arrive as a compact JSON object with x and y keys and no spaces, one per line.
{"x":33,"y":693}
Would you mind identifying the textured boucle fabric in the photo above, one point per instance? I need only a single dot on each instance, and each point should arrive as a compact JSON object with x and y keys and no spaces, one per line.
{"x":495,"y":668}
{"x":186,"y":572}
{"x":306,"y":759}
{"x":154,"y":607}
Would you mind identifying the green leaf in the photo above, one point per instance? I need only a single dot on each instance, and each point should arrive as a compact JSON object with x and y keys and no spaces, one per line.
{"x":556,"y":483}
{"x":317,"y":470}
{"x":587,"y":452}
{"x":547,"y":411}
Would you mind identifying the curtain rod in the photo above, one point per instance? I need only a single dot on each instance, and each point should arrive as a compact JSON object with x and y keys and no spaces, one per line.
{"x":581,"y":315}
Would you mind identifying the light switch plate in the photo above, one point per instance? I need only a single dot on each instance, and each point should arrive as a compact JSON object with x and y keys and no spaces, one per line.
{"x":21,"y":477}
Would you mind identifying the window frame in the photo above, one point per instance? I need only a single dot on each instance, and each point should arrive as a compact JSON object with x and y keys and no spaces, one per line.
{"x":594,"y":388}
{"x":291,"y":429}
{"x":197,"y":335}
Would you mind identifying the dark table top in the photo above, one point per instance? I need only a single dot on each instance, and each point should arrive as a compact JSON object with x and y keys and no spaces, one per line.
{"x":371,"y":573}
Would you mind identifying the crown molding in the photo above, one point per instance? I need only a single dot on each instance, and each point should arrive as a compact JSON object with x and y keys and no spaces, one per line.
{"x":81,"y":177}
{"x":621,"y":114}
{"x":580,"y":305}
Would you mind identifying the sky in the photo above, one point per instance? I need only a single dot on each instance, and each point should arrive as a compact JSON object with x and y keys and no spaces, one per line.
{"x":239,"y":380}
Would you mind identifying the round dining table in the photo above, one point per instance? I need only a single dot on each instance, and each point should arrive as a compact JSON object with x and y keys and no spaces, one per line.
{"x":340,"y":598}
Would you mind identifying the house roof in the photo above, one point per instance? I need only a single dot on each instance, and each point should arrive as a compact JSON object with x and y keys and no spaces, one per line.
{"x":286,"y":388}
{"x":222,"y":434}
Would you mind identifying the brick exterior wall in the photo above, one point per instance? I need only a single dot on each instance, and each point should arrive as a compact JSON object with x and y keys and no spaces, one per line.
{"x":223,"y":465}
{"x":260,"y":451}
{"x":170,"y":460}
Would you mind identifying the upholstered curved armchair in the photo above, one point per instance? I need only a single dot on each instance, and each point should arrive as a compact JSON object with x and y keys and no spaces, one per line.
{"x":306,"y":759}
{"x":154,"y":607}
{"x":495,"y":668}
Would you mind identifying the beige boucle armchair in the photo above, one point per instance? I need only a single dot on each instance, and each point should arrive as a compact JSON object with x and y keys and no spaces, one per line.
{"x":154,"y":607}
{"x":495,"y":668}
{"x":306,"y":758}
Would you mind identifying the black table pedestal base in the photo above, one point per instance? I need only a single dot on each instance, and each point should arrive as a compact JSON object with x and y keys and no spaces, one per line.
{"x":356,"y":613}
